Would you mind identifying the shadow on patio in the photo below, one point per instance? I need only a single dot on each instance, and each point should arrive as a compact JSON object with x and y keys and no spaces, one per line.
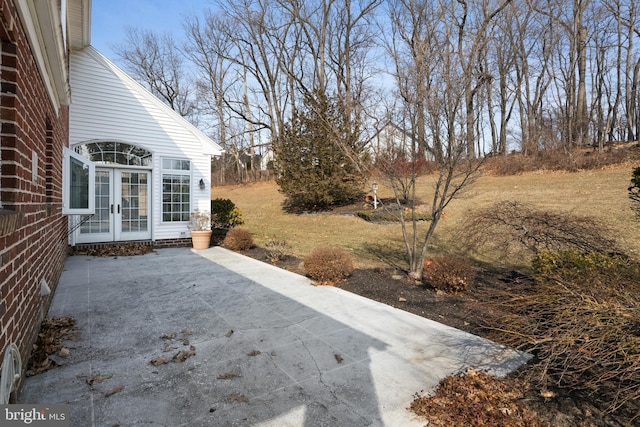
{"x":270,"y":348}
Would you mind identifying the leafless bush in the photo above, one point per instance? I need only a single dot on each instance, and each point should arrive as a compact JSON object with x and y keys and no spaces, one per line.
{"x":584,"y":330}
{"x":238,"y":239}
{"x":448,"y":273}
{"x":512,"y":226}
{"x":277,"y":249}
{"x":328,"y":265}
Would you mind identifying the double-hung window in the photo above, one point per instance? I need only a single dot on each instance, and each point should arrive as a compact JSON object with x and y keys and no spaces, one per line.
{"x":176,"y":190}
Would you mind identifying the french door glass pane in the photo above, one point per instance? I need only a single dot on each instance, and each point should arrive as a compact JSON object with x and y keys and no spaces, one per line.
{"x":100,"y":221}
{"x":134,"y":201}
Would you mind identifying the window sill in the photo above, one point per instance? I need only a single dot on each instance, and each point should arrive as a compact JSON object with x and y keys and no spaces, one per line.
{"x":10,"y":221}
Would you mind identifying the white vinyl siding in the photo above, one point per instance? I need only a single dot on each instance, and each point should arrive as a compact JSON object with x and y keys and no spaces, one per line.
{"x":108,"y":105}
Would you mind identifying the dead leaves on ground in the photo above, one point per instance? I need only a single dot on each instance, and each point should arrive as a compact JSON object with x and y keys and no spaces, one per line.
{"x":157,"y":361}
{"x":114,"y":390}
{"x":115,"y":250}
{"x":475,"y":398}
{"x":49,"y":342}
{"x":181,"y":355}
{"x":236,"y":397}
{"x":97,"y":379}
{"x":228,"y":376}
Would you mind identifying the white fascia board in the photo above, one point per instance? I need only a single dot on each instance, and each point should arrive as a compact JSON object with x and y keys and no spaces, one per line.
{"x":43,"y":25}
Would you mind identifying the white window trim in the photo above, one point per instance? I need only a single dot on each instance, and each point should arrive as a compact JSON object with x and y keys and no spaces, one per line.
{"x":66,"y":182}
{"x":164,"y":171}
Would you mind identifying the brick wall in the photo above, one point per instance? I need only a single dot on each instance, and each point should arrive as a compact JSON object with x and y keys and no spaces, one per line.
{"x":33,"y":231}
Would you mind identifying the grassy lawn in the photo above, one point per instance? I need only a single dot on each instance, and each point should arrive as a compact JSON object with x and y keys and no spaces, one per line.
{"x":497,"y":302}
{"x":598,"y":193}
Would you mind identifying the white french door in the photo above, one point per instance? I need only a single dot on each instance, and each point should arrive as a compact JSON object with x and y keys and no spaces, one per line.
{"x":122,"y":209}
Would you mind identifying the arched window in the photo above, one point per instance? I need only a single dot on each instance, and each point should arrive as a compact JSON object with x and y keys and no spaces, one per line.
{"x":115,"y":153}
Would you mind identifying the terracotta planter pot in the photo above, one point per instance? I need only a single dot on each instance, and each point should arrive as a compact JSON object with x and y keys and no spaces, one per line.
{"x":201,"y":239}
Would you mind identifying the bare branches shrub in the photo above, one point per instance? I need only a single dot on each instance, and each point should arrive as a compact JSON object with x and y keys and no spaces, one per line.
{"x":277,"y":249}
{"x":583,"y":327}
{"x":448,"y":273}
{"x":512,"y":227}
{"x":238,"y":239}
{"x":328,"y":265}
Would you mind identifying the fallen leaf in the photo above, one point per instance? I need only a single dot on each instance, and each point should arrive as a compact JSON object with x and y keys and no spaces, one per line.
{"x":339,"y":358}
{"x":169,"y":336}
{"x":547,"y":394}
{"x":185,"y":341}
{"x":401,"y":299}
{"x":168,"y":348}
{"x":228,"y":334}
{"x":254,"y":353}
{"x":158,"y":361}
{"x":235,"y":397}
{"x":97,"y":378}
{"x":186,"y":332}
{"x":114,"y":390}
{"x":183,"y":355}
{"x":228,"y":376}
{"x":64,"y":352}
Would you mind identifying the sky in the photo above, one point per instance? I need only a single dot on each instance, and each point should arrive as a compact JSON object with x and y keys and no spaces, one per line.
{"x":109,"y":18}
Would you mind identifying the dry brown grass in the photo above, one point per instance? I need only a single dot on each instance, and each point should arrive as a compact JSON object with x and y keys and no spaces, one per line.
{"x":598,"y":193}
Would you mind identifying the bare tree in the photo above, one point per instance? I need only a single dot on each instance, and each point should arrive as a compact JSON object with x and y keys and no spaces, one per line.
{"x":156,"y":62}
{"x":429,"y":70}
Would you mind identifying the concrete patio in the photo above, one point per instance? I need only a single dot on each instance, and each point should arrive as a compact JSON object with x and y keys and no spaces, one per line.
{"x":270,"y":348}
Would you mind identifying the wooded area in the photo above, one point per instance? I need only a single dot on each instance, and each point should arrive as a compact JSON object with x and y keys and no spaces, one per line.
{"x":477,"y":76}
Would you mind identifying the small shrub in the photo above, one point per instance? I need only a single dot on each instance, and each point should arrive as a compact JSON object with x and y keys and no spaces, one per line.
{"x":277,"y":249}
{"x":392,"y":216}
{"x":328,"y":265}
{"x":448,"y":273}
{"x":547,"y":262}
{"x":366,"y":215}
{"x":238,"y":239}
{"x":227,"y":214}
